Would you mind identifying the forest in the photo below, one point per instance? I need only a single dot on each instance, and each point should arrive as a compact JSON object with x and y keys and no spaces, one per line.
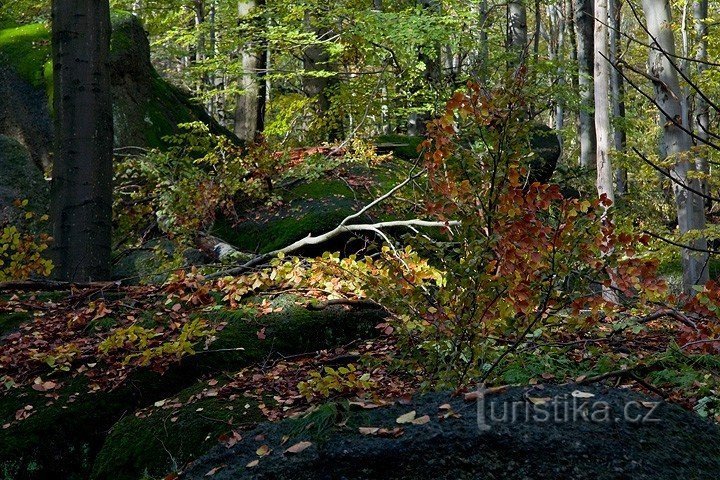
{"x":359,"y":239}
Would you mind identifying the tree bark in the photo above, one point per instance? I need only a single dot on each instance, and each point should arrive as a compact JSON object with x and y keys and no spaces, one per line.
{"x":250,"y":105}
{"x":676,"y":142}
{"x":517,"y":40}
{"x":556,"y":44}
{"x":316,"y":64}
{"x":81,"y":193}
{"x":617,"y":93}
{"x":604,"y":182}
{"x":702,"y":110}
{"x":585,"y":53}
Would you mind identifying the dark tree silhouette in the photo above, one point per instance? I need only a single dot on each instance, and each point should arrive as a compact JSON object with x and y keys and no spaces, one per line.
{"x":81,"y":205}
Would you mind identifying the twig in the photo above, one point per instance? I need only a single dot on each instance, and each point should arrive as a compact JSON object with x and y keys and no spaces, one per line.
{"x":51,"y":286}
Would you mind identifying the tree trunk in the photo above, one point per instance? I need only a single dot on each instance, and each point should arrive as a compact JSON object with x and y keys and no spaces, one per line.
{"x":81,"y":196}
{"x":617,"y":93}
{"x":517,"y":41}
{"x":316,"y":82}
{"x":585,"y":49}
{"x":676,"y":142}
{"x":604,"y":181}
{"x":702,"y":110}
{"x":250,"y":105}
{"x":556,"y":44}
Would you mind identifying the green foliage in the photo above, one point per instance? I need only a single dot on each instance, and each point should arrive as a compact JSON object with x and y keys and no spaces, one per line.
{"x":342,"y":380}
{"x":21,"y":250}
{"x":184,"y":186}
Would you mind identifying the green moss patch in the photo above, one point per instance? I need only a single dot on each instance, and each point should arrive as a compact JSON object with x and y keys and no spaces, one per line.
{"x":27,"y":50}
{"x":166,"y":437}
{"x":75,"y":425}
{"x":299,"y":219}
{"x":401,"y":146}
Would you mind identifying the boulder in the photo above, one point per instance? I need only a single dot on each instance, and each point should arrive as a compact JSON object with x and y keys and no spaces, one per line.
{"x":639,"y":438}
{"x":61,"y":438}
{"x":146,"y":107}
{"x":20,"y":179}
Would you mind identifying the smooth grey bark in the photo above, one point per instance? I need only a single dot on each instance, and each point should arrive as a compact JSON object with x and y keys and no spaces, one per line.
{"x":517,"y":38}
{"x":250,"y":105}
{"x":556,"y":44}
{"x":585,"y":58}
{"x":676,"y":143}
{"x":617,"y":92}
{"x":81,"y":192}
{"x":702,"y":110}
{"x":604,"y":181}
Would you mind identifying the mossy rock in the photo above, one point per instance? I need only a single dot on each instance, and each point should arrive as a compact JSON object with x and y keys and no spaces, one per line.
{"x":274,"y":229}
{"x":505,"y":435}
{"x":62,"y":439}
{"x":166,"y":437}
{"x":20,"y":179}
{"x":146,"y":108}
{"x":401,"y":146}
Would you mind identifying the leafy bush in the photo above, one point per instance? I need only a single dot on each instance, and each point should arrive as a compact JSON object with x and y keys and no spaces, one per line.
{"x":21,"y":250}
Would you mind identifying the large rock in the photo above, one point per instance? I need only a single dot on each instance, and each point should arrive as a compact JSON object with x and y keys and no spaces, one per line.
{"x":146,"y":107}
{"x":61,"y":440}
{"x":666,"y":443}
{"x":20,"y":179}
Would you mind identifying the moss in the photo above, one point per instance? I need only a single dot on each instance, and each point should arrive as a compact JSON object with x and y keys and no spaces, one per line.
{"x":165,"y":439}
{"x":402,"y":146}
{"x":74,"y":430}
{"x":164,"y":112}
{"x":11,"y":321}
{"x":121,"y":41}
{"x":27,"y":50}
{"x":301,"y":218}
{"x":321,"y":189}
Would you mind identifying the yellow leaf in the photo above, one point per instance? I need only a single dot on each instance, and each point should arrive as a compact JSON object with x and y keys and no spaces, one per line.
{"x":298,"y":447}
{"x":407,"y":418}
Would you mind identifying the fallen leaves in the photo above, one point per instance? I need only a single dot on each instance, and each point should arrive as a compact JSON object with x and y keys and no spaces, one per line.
{"x":406,"y":418}
{"x":382,"y":432}
{"x":298,"y":447}
{"x":410,"y":418}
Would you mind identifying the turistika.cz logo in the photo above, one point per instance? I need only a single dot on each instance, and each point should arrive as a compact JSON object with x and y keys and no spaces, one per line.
{"x":577,"y":406}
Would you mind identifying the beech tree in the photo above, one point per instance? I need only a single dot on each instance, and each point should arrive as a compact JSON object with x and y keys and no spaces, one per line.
{"x":604,"y":181}
{"x":250,"y":104}
{"x":81,"y":205}
{"x":676,"y":141}
{"x":584,"y":39}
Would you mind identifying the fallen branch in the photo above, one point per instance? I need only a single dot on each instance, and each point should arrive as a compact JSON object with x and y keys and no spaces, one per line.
{"x":342,"y":301}
{"x":342,"y":228}
{"x":50,"y":285}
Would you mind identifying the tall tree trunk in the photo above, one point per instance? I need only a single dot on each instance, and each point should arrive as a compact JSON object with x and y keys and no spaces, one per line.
{"x":617,"y":92}
{"x":585,"y":49}
{"x":517,"y":41}
{"x":199,"y":9}
{"x":316,"y":58}
{"x":81,"y":196}
{"x":604,"y":181}
{"x":433,"y":73}
{"x":690,"y":207}
{"x":702,"y":110}
{"x":250,"y":105}
{"x":556,"y":44}
{"x":483,"y":55}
